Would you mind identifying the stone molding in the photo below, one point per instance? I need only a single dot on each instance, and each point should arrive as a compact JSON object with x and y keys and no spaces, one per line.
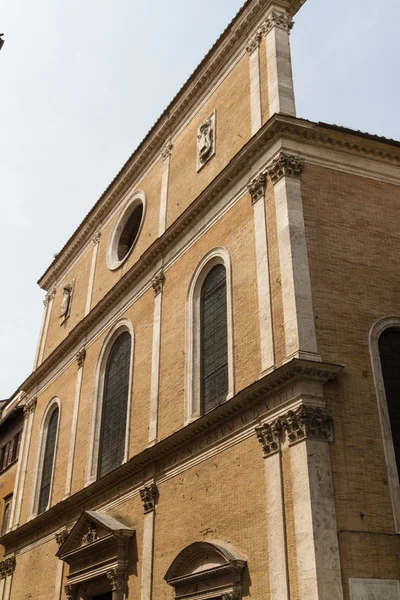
{"x":257,"y":187}
{"x":30,"y":407}
{"x":7,"y":567}
{"x":306,"y":422}
{"x":281,"y":20}
{"x":96,"y":238}
{"x":254,"y":42}
{"x":167,"y":151}
{"x":158,"y":283}
{"x":80,"y":357}
{"x":278,"y":126}
{"x":149,"y":496}
{"x":285,"y":165}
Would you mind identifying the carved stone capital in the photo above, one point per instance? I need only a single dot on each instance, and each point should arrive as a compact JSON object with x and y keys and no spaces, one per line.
{"x":30,"y":407}
{"x":80,"y":357}
{"x":254,"y":41}
{"x":148,"y":495}
{"x":117,"y":578}
{"x":257,"y":188}
{"x":96,"y":238}
{"x":278,"y":19}
{"x":286,"y":165}
{"x":61,"y":536}
{"x":49,"y":297}
{"x":269,"y":435}
{"x":158,"y":283}
{"x":308,"y":422}
{"x":7,"y":567}
{"x":71,"y":592}
{"x":167,"y":151}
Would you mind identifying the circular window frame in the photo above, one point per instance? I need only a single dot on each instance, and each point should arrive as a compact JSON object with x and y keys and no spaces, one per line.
{"x":136,"y":199}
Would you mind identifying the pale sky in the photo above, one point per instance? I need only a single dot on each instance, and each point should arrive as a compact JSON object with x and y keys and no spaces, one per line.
{"x":81,"y":83}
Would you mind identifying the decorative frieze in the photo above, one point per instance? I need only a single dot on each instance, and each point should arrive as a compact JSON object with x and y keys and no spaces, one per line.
{"x":96,"y":238}
{"x":286,"y":165}
{"x":257,"y":188}
{"x":30,"y":407}
{"x":7,"y":567}
{"x":206,"y":141}
{"x":167,"y":151}
{"x":117,"y":578}
{"x":308,"y":422}
{"x":61,"y":536}
{"x":254,"y":42}
{"x":278,"y":19}
{"x":80,"y":357}
{"x":158,"y":283}
{"x":148,"y":495}
{"x":269,"y":435}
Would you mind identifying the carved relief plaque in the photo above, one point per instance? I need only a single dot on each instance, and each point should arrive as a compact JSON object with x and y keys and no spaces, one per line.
{"x":374,"y":589}
{"x":206,"y":141}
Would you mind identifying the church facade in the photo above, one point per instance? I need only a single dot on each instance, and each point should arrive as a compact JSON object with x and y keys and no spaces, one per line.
{"x":212,"y":414}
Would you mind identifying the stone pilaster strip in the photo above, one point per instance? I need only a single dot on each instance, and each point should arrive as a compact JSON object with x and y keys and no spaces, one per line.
{"x":285,"y":165}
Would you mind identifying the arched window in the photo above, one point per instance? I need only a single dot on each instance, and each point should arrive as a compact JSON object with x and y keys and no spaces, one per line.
{"x":48,"y":462}
{"x":115,"y":405}
{"x":389,"y":351}
{"x":213,"y":339}
{"x":209,"y":379}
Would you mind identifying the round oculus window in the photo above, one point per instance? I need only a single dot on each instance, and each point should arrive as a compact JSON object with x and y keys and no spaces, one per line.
{"x":126,"y":232}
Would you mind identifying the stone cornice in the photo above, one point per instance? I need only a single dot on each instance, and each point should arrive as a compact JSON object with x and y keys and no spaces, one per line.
{"x":278,"y":127}
{"x":121,"y":480}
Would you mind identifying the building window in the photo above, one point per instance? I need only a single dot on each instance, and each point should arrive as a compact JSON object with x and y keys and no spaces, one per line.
{"x":214,"y":339}
{"x":10,"y":451}
{"x":6,"y":514}
{"x":389,"y":351}
{"x":115,"y":405}
{"x":48,"y":462}
{"x":209,"y":378}
{"x":126,"y":230}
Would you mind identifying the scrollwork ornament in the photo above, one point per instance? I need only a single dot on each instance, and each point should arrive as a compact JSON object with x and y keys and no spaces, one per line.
{"x":30,"y":407}
{"x":257,"y":188}
{"x":286,"y":165}
{"x":269,"y":435}
{"x":80,"y":357}
{"x":148,"y":495}
{"x":7,"y":567}
{"x":308,"y":422}
{"x":167,"y":151}
{"x":117,"y":579}
{"x":278,"y":19}
{"x":96,"y":238}
{"x":254,"y":42}
{"x":158,"y":283}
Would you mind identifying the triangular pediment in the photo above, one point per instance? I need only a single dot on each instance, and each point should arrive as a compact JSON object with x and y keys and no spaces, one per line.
{"x":89,"y":529}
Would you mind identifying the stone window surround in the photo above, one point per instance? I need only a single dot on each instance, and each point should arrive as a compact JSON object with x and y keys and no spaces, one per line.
{"x":132,"y":202}
{"x":393,"y":477}
{"x":51,"y":407}
{"x":216,"y":256}
{"x":96,"y":412}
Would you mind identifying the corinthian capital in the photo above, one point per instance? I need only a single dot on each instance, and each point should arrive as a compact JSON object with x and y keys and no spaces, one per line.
{"x":257,"y":187}
{"x":167,"y":151}
{"x":278,"y":19}
{"x":254,"y":41}
{"x":30,"y":407}
{"x":286,"y":165}
{"x":269,"y":436}
{"x":308,"y":422}
{"x":158,"y":283}
{"x":148,"y":495}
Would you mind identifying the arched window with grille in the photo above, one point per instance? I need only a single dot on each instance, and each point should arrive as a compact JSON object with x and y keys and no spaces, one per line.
{"x":115,"y":405}
{"x":46,"y":458}
{"x":213,"y":339}
{"x":209,"y":378}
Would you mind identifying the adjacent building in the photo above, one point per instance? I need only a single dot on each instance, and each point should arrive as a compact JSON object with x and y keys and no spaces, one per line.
{"x":213,"y":412}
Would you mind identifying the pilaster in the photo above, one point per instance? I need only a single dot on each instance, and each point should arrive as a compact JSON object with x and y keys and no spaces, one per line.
{"x":253,"y":49}
{"x":96,"y":243}
{"x":48,"y":305}
{"x":276,"y":29}
{"x":166,"y":157}
{"x":285,"y":172}
{"x":80,"y":360}
{"x":149,"y":496}
{"x":158,"y":287}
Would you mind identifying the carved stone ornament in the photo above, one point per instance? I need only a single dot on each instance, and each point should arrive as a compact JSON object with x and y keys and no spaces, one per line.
{"x":167,"y":151}
{"x":286,"y":165}
{"x":30,"y":407}
{"x":7,"y":567}
{"x":206,"y":141}
{"x":66,"y":302}
{"x":308,"y":422}
{"x":158,"y":283}
{"x":231,"y":596}
{"x":269,"y":436}
{"x":257,"y":188}
{"x":254,"y":41}
{"x":71,"y":592}
{"x":80,"y":357}
{"x":117,"y":578}
{"x":61,"y":536}
{"x":278,"y":19}
{"x":90,"y":535}
{"x":50,"y":296}
{"x":96,"y":238}
{"x":148,"y":495}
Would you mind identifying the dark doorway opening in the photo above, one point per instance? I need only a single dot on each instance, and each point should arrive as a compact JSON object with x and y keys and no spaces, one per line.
{"x":107,"y":596}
